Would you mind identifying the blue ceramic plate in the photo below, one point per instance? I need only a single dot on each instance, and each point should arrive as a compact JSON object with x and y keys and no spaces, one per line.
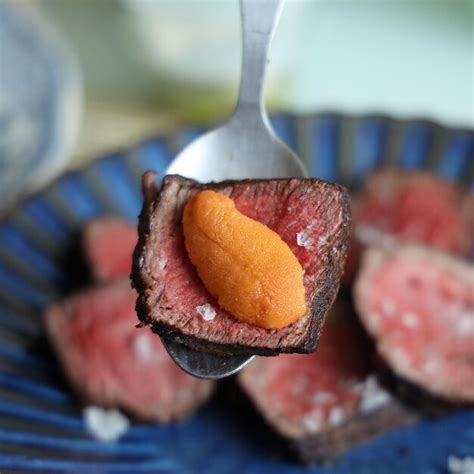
{"x":41,"y":428}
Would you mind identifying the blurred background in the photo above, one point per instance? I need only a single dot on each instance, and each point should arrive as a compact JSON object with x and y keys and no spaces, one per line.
{"x":124,"y":70}
{"x":354,"y":85}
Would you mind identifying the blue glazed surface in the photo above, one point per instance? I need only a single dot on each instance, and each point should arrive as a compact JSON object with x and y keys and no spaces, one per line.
{"x":41,"y":427}
{"x":415,"y":146}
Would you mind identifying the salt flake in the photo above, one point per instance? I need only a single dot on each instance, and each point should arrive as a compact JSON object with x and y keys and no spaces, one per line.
{"x":465,"y":324}
{"x":313,"y":421}
{"x":143,"y":348}
{"x":410,"y":320}
{"x":461,"y":465}
{"x":373,"y":396}
{"x":162,"y":262}
{"x":207,"y":312}
{"x":105,"y":425}
{"x":431,"y":366}
{"x":303,"y":239}
{"x":336,"y":416}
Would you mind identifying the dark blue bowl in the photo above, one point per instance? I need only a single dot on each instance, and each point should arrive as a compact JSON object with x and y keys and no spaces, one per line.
{"x":41,"y":428}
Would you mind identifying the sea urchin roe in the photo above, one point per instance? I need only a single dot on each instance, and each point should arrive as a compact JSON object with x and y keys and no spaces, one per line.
{"x":245,"y":265}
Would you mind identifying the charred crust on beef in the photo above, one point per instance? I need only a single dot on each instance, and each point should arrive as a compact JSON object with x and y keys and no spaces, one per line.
{"x":160,"y":223}
{"x":413,"y":396}
{"x":330,"y":445}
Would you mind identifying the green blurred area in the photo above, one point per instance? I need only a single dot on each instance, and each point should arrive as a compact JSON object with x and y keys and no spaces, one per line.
{"x":115,"y":69}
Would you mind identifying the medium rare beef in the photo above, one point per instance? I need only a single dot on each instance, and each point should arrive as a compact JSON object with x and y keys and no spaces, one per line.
{"x":111,"y":363}
{"x":418,"y":305}
{"x":413,"y":207}
{"x":310,"y":215}
{"x":328,"y":401}
{"x":107,"y":245}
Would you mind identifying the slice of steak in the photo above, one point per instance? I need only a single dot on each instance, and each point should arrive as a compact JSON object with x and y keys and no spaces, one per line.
{"x":412,"y":207}
{"x":107,"y":245}
{"x":111,"y":363}
{"x":310,"y":215}
{"x":418,"y":305}
{"x":329,"y":401}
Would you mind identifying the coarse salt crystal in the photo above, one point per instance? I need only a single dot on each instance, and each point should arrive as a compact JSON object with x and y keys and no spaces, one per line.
{"x":373,"y":396}
{"x":303,"y":239}
{"x":431,"y":366}
{"x":465,"y":324}
{"x":143,"y":348}
{"x":313,"y":421}
{"x":336,"y":416}
{"x":461,"y":465}
{"x":206,"y":311}
{"x":410,"y":320}
{"x":162,"y":262}
{"x":105,"y":425}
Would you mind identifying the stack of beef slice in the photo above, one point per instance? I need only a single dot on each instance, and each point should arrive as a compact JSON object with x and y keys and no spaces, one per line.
{"x":399,"y":337}
{"x":402,"y":344}
{"x":107,"y":360}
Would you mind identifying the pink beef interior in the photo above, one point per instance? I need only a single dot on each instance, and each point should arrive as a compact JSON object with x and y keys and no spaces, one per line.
{"x":411,"y":207}
{"x":419,"y":306}
{"x":417,"y":207}
{"x":315,"y":212}
{"x":108,"y":244}
{"x":112,"y":363}
{"x":307,"y":394}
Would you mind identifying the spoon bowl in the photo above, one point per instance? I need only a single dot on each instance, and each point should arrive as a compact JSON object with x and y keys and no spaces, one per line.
{"x":244,"y":147}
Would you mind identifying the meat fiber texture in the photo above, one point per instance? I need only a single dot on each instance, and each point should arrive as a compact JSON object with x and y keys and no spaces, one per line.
{"x":107,"y":245}
{"x":111,"y":363}
{"x":310,"y":215}
{"x":329,"y":401}
{"x":411,"y":207}
{"x":418,"y":305}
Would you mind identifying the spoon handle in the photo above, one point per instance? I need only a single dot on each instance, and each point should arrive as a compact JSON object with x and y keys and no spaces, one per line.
{"x":259,"y":19}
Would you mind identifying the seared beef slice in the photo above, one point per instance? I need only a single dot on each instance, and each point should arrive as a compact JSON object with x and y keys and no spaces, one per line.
{"x":418,"y":304}
{"x":107,"y":244}
{"x":411,"y":207}
{"x":417,"y":207}
{"x":329,"y":401}
{"x":310,"y":215}
{"x":111,"y":363}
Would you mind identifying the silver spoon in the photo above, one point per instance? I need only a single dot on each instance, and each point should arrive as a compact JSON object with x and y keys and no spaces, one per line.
{"x":244,"y":147}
